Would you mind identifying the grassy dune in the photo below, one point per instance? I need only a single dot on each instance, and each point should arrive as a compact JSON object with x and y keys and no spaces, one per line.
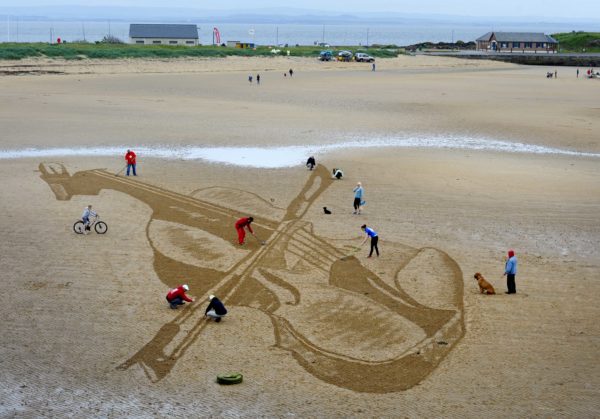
{"x":578,"y":41}
{"x":76,"y":51}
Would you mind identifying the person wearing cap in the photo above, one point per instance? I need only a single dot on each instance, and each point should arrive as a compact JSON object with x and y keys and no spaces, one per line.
{"x":130,"y":158}
{"x":215,"y":309}
{"x":358,"y":194}
{"x":239,"y":226}
{"x":510,"y":271}
{"x":177,"y":296}
{"x":369,"y":232}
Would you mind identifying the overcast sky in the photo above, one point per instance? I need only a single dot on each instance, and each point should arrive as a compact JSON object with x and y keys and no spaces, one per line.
{"x":589,"y":9}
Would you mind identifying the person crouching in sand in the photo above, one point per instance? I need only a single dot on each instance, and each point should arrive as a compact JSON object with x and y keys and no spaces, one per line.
{"x":215,"y":310}
{"x":177,"y":296}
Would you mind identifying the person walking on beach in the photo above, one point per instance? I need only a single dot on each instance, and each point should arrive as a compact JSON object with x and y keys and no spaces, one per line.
{"x":510,"y":271}
{"x":291,"y":72}
{"x":250,"y":78}
{"x":258,"y":79}
{"x":373,"y":67}
{"x":358,"y":194}
{"x":177,"y":296}
{"x":130,"y":158}
{"x":239,"y":226}
{"x":311,"y":163}
{"x":215,"y":309}
{"x":577,"y":73}
{"x":369,"y":232}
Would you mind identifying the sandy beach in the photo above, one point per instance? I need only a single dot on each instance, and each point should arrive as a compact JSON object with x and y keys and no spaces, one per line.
{"x":86,"y":330}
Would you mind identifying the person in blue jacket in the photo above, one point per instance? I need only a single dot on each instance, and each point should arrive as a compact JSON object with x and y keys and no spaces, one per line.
{"x":510,"y":271}
{"x":215,"y":310}
{"x":358,"y":194}
{"x":369,"y":232}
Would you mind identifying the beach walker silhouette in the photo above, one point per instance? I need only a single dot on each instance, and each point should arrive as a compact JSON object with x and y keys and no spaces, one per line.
{"x":375,"y":337}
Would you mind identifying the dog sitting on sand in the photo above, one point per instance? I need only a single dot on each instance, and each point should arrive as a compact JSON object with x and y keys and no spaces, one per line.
{"x":326,"y":211}
{"x":484,"y":286}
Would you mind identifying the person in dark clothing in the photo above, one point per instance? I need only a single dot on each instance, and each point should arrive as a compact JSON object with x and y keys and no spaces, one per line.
{"x":258,"y":79}
{"x":374,"y":239}
{"x":311,"y":163}
{"x":215,"y":310}
{"x":291,"y":72}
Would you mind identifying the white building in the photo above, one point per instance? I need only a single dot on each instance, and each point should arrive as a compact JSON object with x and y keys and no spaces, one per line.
{"x":163,"y":34}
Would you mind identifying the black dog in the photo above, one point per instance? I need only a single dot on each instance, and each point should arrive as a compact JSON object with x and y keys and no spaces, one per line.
{"x":326,"y":211}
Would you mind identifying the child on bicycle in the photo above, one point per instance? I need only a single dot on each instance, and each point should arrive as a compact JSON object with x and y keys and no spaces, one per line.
{"x":85,"y":217}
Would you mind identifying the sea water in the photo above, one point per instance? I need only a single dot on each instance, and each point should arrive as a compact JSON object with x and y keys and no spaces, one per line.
{"x":16,"y":29}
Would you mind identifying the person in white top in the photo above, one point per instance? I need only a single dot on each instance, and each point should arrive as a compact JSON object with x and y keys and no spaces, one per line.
{"x":85,"y":217}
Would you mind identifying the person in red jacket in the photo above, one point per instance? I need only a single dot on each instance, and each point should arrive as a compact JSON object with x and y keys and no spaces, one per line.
{"x":177,"y":296}
{"x":239,"y":226}
{"x":130,"y":157}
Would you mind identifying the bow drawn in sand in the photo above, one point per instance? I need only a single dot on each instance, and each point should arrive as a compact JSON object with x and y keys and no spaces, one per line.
{"x":338,"y":319}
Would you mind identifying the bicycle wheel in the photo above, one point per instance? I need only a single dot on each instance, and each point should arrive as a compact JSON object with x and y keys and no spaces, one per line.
{"x":101,"y":227}
{"x":78,"y":227}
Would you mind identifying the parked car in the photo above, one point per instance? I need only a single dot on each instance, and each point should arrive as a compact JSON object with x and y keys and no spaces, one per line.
{"x":326,"y":55}
{"x":344,"y":56}
{"x":363,"y":58}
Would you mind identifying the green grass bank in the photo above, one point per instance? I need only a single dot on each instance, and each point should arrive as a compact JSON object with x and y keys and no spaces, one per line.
{"x":78,"y":51}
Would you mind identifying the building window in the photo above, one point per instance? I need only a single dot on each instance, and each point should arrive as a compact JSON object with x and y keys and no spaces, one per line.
{"x":156,"y":42}
{"x":528,"y":44}
{"x":504,"y":45}
{"x":516,"y":45}
{"x":173,"y":42}
{"x":189,"y":42}
{"x":139,"y":42}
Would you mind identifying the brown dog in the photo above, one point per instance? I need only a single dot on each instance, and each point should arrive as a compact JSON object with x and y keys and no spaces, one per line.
{"x":484,"y":286}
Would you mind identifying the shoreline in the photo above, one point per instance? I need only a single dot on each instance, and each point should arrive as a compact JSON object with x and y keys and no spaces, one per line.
{"x":279,"y":156}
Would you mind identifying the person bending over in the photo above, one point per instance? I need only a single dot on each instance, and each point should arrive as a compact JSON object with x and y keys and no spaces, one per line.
{"x":369,"y":232}
{"x":239,"y":226}
{"x":311,"y":163}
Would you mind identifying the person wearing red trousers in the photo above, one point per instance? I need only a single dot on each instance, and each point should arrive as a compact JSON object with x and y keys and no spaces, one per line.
{"x":130,"y":158}
{"x":239,"y":226}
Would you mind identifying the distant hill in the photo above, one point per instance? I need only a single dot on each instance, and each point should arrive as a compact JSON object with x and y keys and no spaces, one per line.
{"x":578,"y":41}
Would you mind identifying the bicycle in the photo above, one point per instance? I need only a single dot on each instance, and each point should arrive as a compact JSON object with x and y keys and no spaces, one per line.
{"x":99,"y":226}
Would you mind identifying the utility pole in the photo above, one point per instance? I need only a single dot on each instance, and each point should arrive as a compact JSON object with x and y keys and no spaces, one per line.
{"x":83,"y":30}
{"x":277,"y":37}
{"x":367,"y":37}
{"x":8,"y":28}
{"x":323,"y":39}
